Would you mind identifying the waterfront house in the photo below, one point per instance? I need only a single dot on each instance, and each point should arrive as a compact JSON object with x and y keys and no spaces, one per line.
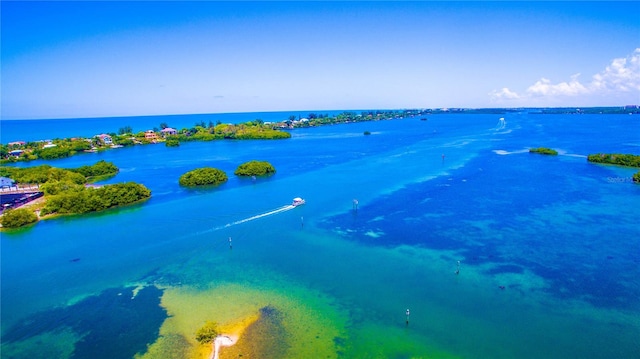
{"x":106,"y":139}
{"x":16,"y":153}
{"x":150,"y":135}
{"x":169,"y":131}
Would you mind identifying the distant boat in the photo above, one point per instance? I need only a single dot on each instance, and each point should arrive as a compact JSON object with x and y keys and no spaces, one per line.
{"x":298,"y":202}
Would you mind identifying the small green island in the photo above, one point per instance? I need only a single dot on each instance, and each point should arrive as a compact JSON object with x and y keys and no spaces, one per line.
{"x":207,"y":333}
{"x":206,"y":176}
{"x":255,"y":168}
{"x":68,"y":191}
{"x":544,"y":151}
{"x":626,"y":160}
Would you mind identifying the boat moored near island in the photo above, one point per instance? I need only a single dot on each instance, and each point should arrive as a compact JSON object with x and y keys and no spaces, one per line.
{"x":297,"y":201}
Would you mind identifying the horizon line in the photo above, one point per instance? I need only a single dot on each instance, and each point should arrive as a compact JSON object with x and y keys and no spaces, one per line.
{"x":634,"y":106}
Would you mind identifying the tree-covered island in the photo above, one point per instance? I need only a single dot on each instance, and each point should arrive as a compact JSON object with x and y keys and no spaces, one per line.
{"x":205,"y":176}
{"x":66,"y":191}
{"x":255,"y":168}
{"x":544,"y":151}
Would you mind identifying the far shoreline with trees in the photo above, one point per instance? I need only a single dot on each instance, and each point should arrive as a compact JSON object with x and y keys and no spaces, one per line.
{"x":251,"y":130}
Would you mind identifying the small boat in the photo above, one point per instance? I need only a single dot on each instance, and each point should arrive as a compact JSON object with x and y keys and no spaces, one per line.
{"x":297,"y":201}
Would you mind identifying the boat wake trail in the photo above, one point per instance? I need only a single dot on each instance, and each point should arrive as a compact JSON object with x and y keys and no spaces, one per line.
{"x":270,"y":213}
{"x":275,"y":211}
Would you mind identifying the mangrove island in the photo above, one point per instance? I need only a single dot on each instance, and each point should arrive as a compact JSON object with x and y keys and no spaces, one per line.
{"x":255,"y":168}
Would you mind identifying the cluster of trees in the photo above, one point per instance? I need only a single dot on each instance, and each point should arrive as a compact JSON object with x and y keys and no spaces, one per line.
{"x":543,"y":151}
{"x":627,"y":160}
{"x":58,"y":148}
{"x":212,"y":176}
{"x":14,"y":218}
{"x":101,"y":169}
{"x":81,"y":199}
{"x":42,"y":174}
{"x":350,"y":116}
{"x":615,"y":159}
{"x":252,"y":130}
{"x":207,"y":333}
{"x":66,"y":193}
{"x":172,"y":142}
{"x":255,"y":168}
{"x":202,"y":177}
{"x":47,"y":174}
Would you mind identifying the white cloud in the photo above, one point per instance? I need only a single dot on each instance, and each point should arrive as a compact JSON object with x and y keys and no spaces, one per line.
{"x":622,"y":77}
{"x":505,"y":93}
{"x":544,"y":87}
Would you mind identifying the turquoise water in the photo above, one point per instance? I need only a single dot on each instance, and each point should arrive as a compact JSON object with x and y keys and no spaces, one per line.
{"x":548,"y":246}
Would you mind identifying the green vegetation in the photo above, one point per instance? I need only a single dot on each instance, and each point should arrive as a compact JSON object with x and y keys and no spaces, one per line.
{"x":253,"y":130}
{"x":255,"y":168}
{"x":202,"y":177}
{"x":367,"y":133}
{"x":60,"y":148}
{"x":80,"y":199}
{"x":172,"y":142}
{"x":53,"y":153}
{"x":42,"y":174}
{"x":636,"y":177}
{"x":14,"y":218}
{"x":627,"y":160}
{"x":101,"y":169}
{"x":65,"y":191}
{"x":543,"y":151}
{"x":46,"y":173}
{"x":207,"y":333}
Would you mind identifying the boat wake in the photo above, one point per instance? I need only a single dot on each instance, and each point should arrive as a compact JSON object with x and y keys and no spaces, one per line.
{"x":503,"y":152}
{"x":275,"y":211}
{"x":270,"y":213}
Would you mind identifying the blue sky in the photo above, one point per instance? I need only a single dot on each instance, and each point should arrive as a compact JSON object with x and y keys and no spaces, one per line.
{"x":100,"y":59}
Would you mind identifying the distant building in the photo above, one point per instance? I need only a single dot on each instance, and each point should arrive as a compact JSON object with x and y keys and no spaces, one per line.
{"x":169,"y":131}
{"x":16,"y":153}
{"x":6,"y":182}
{"x":150,"y":135}
{"x":16,"y":143}
{"x":106,"y":139}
